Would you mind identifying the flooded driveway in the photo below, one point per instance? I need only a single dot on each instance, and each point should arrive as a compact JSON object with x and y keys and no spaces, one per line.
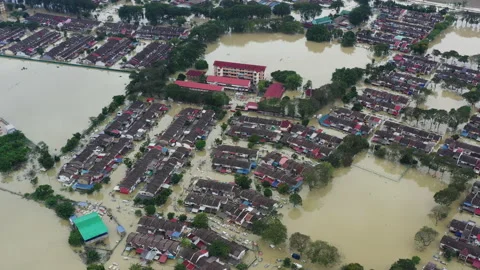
{"x":50,"y":102}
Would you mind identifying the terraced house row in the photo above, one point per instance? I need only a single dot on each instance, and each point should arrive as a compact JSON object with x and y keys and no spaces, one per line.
{"x":30,"y":45}
{"x":70,"y":49}
{"x":110,"y":52}
{"x":106,"y":150}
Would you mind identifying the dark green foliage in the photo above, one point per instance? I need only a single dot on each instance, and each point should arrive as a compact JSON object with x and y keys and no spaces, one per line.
{"x":13,"y":151}
{"x":95,"y":267}
{"x":349,"y":39}
{"x":157,"y":12}
{"x":72,"y":143}
{"x":283,"y":188}
{"x":349,"y":76}
{"x":446,"y":196}
{"x":295,"y":199}
{"x":200,"y":221}
{"x":130,"y":13}
{"x":75,"y":239}
{"x":182,"y":217}
{"x":267,"y":192}
{"x":352,"y":266}
{"x":420,"y":47}
{"x":273,"y":230}
{"x":176,"y":178}
{"x":322,"y":253}
{"x":308,"y":10}
{"x":403,"y":264}
{"x":241,"y":266}
{"x":287,"y":262}
{"x":281,"y":9}
{"x":243,"y":181}
{"x":170,"y":215}
{"x":359,"y":14}
{"x":180,"y":267}
{"x":381,"y":49}
{"x":318,"y":33}
{"x":65,"y":209}
{"x":200,"y":144}
{"x":79,"y":7}
{"x":92,"y":256}
{"x":181,"y":77}
{"x":201,"y":64}
{"x":219,"y":249}
{"x":472,"y":97}
{"x":42,"y":192}
{"x":150,"y":210}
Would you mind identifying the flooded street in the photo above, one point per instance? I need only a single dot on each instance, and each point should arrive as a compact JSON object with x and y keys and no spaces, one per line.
{"x":313,"y":61}
{"x":50,"y":102}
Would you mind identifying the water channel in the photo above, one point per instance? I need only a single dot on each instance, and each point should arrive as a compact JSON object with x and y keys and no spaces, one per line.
{"x":368,"y":216}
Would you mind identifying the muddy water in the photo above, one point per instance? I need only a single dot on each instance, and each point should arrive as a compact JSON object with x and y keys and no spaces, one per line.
{"x":50,"y":102}
{"x":313,"y":61}
{"x":463,"y":38}
{"x":33,"y":237}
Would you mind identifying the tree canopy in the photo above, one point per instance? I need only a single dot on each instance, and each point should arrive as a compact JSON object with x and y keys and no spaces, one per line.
{"x":13,"y":151}
{"x":80,"y":7}
{"x":352,"y":266}
{"x":282,"y":9}
{"x":299,"y":241}
{"x":219,"y":249}
{"x":349,"y":39}
{"x":200,"y":221}
{"x":130,"y":13}
{"x":243,"y":181}
{"x":424,"y":237}
{"x":403,"y":264}
{"x":359,"y":14}
{"x":322,"y":253}
{"x":308,"y":10}
{"x":271,"y":229}
{"x":318,"y":33}
{"x":65,"y":210}
{"x":295,"y":199}
{"x":320,"y":176}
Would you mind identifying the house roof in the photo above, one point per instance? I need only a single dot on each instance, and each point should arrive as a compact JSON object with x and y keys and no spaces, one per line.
{"x":275,"y":90}
{"x":90,"y":226}
{"x":239,"y":66}
{"x":226,"y":80}
{"x":201,"y":86}
{"x":195,"y":73}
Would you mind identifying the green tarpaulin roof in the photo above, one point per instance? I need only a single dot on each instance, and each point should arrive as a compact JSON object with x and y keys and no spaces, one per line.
{"x":322,"y":20}
{"x":90,"y":226}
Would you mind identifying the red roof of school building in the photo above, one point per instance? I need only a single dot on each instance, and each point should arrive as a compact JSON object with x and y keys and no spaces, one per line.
{"x":275,"y":90}
{"x":199,"y":86}
{"x":195,"y":73}
{"x":226,"y":80}
{"x":239,"y":66}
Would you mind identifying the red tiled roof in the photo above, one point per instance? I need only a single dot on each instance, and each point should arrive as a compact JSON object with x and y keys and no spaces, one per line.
{"x":275,"y":90}
{"x":239,"y":66}
{"x":195,"y":73}
{"x":201,"y":86}
{"x":226,"y":80}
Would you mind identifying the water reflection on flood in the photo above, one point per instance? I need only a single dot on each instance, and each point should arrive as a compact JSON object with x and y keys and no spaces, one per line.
{"x":313,"y":61}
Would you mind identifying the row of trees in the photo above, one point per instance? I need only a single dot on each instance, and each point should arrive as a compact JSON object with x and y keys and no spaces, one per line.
{"x":360,"y":14}
{"x":434,"y":117}
{"x":156,"y":13}
{"x":321,"y":33}
{"x":62,"y":206}
{"x":79,"y":7}
{"x":130,"y":13}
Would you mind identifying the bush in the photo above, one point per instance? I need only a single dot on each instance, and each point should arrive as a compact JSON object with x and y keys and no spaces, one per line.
{"x":75,"y":239}
{"x":65,"y":210}
{"x":201,"y":64}
{"x":138,"y":213}
{"x":150,"y":210}
{"x":92,"y":256}
{"x":267,"y":192}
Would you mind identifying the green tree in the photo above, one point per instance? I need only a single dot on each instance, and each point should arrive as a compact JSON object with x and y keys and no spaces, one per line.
{"x":92,"y":256}
{"x":293,"y":81}
{"x":182,"y":217}
{"x":170,"y":215}
{"x":472,"y":97}
{"x":42,"y":192}
{"x":200,"y":144}
{"x":295,"y":199}
{"x":201,"y":64}
{"x":180,"y":267}
{"x":138,"y":213}
{"x":349,"y":39}
{"x":275,"y":232}
{"x":75,"y":239}
{"x":13,"y":151}
{"x":95,"y":267}
{"x":281,"y":9}
{"x":446,"y":196}
{"x":65,"y":210}
{"x":299,"y":242}
{"x":403,"y":264}
{"x":287,"y":262}
{"x":420,"y":47}
{"x":424,"y":237}
{"x":243,"y":181}
{"x":283,"y":188}
{"x":439,"y":212}
{"x":308,"y":10}
{"x":242,"y":266}
{"x":359,"y":14}
{"x":380,"y":49}
{"x":219,"y":249}
{"x":224,"y":127}
{"x":200,"y":221}
{"x":181,"y":77}
{"x":352,"y":266}
{"x":322,"y":253}
{"x":180,"y":20}
{"x":150,"y":210}
{"x":337,"y":5}
{"x":320,"y":176}
{"x":267,"y":192}
{"x":318,"y":33}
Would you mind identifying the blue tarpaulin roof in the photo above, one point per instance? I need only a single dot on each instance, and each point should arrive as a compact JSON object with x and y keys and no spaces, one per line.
{"x":82,"y":186}
{"x":120,"y":229}
{"x":176,"y":234}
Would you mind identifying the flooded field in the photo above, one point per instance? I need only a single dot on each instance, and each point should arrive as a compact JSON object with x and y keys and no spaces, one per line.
{"x":33,"y":237}
{"x":50,"y":102}
{"x":313,"y":61}
{"x":462,"y":38}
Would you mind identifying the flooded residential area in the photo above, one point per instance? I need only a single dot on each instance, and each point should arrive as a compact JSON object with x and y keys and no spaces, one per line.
{"x":165,"y":148}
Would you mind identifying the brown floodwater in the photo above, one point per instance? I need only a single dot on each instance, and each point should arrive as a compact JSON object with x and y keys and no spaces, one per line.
{"x":313,"y":61}
{"x":50,"y":102}
{"x":463,"y":38}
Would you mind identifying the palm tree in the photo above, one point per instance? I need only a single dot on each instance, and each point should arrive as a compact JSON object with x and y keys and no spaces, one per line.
{"x":436,"y":53}
{"x":337,"y":4}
